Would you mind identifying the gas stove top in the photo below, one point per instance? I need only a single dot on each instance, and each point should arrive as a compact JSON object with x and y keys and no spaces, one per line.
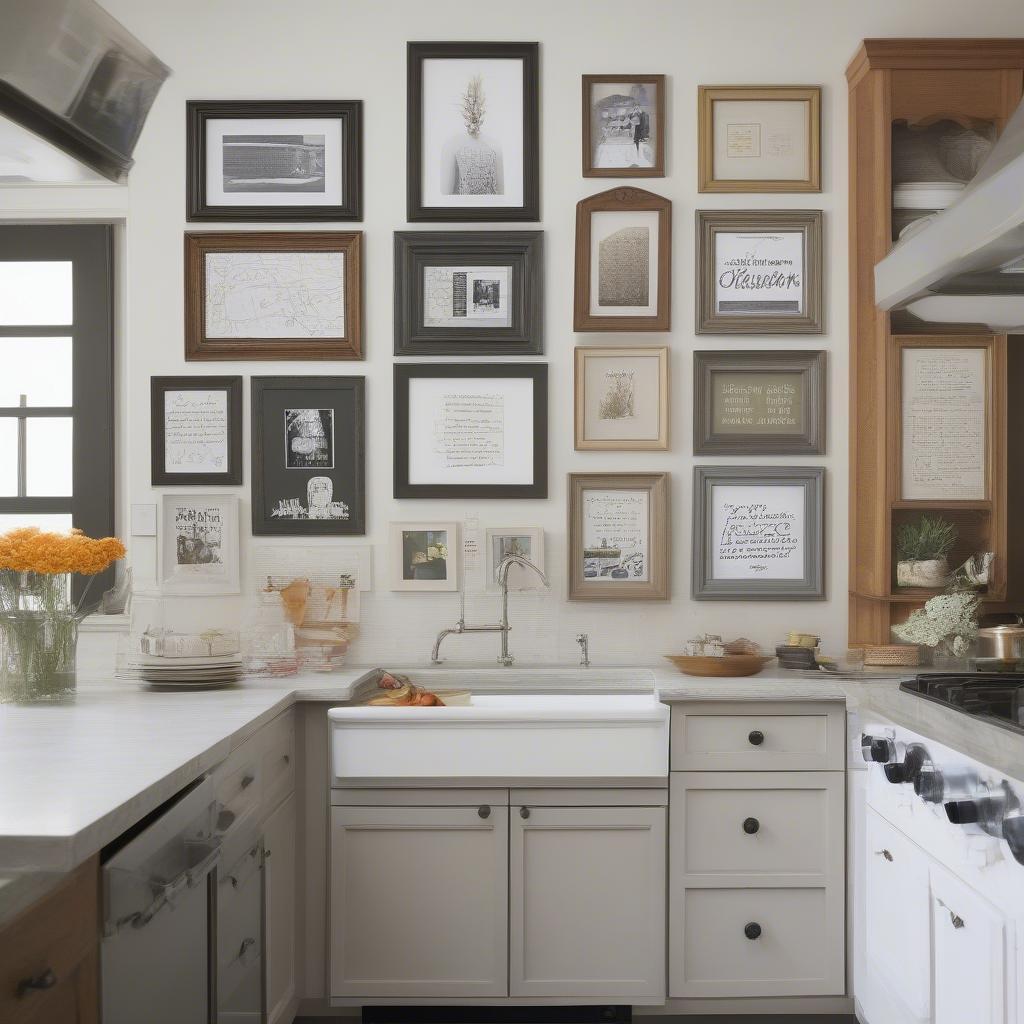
{"x":998,"y":699}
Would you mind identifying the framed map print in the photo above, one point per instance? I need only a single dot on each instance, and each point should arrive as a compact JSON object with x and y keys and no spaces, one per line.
{"x":273,"y":295}
{"x":469,"y":293}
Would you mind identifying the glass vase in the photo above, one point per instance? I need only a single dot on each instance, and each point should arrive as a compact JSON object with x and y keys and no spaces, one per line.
{"x":38,"y":636}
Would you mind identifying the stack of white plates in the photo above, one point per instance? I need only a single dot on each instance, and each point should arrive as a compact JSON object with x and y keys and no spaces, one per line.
{"x":190,"y":673}
{"x":925,"y":195}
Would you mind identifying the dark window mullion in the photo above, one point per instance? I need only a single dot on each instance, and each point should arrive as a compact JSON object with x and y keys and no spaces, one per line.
{"x":27,"y":412}
{"x":22,"y":452}
{"x":37,"y":331}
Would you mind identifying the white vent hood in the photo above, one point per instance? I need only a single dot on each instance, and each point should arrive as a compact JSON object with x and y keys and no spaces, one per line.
{"x":967,"y":253}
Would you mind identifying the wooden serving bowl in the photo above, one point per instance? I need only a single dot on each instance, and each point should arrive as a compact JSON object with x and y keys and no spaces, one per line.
{"x":726,"y":665}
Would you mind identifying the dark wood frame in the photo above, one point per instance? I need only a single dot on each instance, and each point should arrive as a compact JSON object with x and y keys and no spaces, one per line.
{"x":355,"y":526}
{"x":537,"y":372}
{"x":812,"y":587}
{"x":658,"y":536}
{"x":810,"y":365}
{"x":349,"y":112}
{"x":529,"y":54}
{"x":710,"y":222}
{"x":623,"y":198}
{"x":521,"y":251}
{"x":658,"y":170}
{"x":199,"y":243}
{"x":158,"y":386}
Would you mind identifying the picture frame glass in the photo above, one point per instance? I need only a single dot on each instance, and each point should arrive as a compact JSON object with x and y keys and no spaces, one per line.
{"x":758,"y":532}
{"x":622,"y":396}
{"x":196,"y":425}
{"x":624,"y":254}
{"x":469,"y":296}
{"x":765,"y":402}
{"x":275,"y":161}
{"x":615,"y":533}
{"x":761,"y":139}
{"x":624,"y":124}
{"x":759,"y":273}
{"x":199,"y":544}
{"x":425,"y":555}
{"x":472,"y":152}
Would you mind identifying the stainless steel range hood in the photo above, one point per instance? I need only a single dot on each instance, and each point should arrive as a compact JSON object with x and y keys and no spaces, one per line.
{"x":965,"y":265}
{"x":75,"y":89}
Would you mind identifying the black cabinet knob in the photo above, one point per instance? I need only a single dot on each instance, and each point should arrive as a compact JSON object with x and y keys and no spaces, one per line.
{"x":752,"y":930}
{"x":484,"y":811}
{"x":524,"y":812}
{"x":756,"y":737}
{"x":38,"y":983}
{"x":751,"y":826}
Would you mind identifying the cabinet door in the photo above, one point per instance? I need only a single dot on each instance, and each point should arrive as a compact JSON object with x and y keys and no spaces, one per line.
{"x":279,"y":901}
{"x":419,"y":902}
{"x":969,"y":947}
{"x":587,"y":903}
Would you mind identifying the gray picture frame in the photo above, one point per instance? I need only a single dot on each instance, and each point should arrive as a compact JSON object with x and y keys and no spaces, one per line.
{"x":810,"y":365}
{"x":521,"y":251}
{"x":811,"y":587}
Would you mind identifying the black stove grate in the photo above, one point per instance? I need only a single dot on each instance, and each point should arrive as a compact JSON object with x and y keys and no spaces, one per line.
{"x":998,"y":699}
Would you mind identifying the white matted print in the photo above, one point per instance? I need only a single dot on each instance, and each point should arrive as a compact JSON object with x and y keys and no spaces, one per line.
{"x":424,"y":556}
{"x":758,"y":532}
{"x":756,"y":140}
{"x":622,"y":398}
{"x":471,"y":430}
{"x":195,"y":430}
{"x":624,"y":262}
{"x":759,"y":273}
{"x":472,"y":132}
{"x":467,"y":297}
{"x":199,"y":544}
{"x":272,"y":161}
{"x":527,"y":542}
{"x":615,"y":533}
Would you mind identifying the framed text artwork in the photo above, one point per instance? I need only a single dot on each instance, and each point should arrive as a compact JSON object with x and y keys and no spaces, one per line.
{"x":623,"y":126}
{"x":199,"y":550}
{"x":273,"y":295}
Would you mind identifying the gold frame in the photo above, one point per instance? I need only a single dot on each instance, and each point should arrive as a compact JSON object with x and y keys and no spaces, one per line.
{"x":707,"y":95}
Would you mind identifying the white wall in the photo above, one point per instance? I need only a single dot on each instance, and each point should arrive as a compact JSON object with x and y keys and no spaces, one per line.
{"x":355,"y":49}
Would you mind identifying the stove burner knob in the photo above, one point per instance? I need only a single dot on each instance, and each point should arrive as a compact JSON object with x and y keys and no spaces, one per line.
{"x":962,"y":812}
{"x":877,"y":748}
{"x":1013,"y":833}
{"x":929,"y":785}
{"x":897,"y":773}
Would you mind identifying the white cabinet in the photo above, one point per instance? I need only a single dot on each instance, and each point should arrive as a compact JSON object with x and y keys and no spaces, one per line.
{"x":587,"y":903}
{"x":280,"y":896}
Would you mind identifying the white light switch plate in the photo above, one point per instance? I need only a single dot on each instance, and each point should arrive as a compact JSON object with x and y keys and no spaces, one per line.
{"x":143,"y":520}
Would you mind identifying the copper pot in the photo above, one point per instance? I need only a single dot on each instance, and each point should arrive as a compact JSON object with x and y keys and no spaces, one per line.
{"x":1005,"y":641}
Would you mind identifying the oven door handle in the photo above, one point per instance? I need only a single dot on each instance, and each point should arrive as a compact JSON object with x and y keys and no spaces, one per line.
{"x":170,"y":892}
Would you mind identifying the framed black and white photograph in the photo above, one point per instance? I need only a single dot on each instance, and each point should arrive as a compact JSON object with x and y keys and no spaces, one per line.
{"x":469,"y":293}
{"x":196,"y":430}
{"x":471,"y":430}
{"x":199,"y":550}
{"x":308,"y":456}
{"x":759,"y":272}
{"x":758,"y":533}
{"x":473,"y":138}
{"x":424,"y":556}
{"x":623,"y":126}
{"x":526,"y":542}
{"x":759,"y":403}
{"x":290,"y":160}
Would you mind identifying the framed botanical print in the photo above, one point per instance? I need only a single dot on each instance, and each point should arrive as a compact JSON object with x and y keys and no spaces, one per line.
{"x":759,"y":272}
{"x":623,"y":126}
{"x":473,"y":132}
{"x":618,"y":537}
{"x":289,"y":160}
{"x":195,"y":430}
{"x":758,"y":533}
{"x":621,"y":401}
{"x":424,"y":556}
{"x":623,"y":261}
{"x":471,"y":430}
{"x":469,"y":293}
{"x":755,"y":138}
{"x":308,"y":456}
{"x":199,"y":544}
{"x":502,"y":541}
{"x":759,"y":403}
{"x":273,"y":295}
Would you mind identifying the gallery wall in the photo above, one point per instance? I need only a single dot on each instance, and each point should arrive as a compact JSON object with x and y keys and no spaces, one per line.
{"x":356,"y":49}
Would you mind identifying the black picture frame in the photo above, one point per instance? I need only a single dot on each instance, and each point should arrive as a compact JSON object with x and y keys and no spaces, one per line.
{"x":349,"y":112}
{"x":158,"y":388}
{"x":407,"y":372}
{"x":520,"y":251}
{"x":345,"y":397}
{"x":529,"y":54}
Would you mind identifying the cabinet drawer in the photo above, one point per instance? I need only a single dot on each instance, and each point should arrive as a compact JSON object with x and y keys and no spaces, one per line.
{"x":238,"y":792}
{"x":739,"y":828}
{"x":758,"y":736}
{"x":278,"y":769}
{"x":797,"y":948}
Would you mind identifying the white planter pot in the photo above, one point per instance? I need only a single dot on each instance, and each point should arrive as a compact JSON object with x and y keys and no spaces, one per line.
{"x":931,"y":574}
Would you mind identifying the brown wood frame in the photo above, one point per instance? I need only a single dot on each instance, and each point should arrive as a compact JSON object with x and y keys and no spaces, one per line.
{"x":710,"y":222}
{"x":658,"y":170}
{"x":658,"y":538}
{"x":199,"y":347}
{"x":624,"y":198}
{"x":707,"y":95}
{"x":660,"y":444}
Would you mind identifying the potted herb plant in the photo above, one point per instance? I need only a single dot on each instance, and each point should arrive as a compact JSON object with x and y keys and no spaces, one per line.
{"x":922,"y":547}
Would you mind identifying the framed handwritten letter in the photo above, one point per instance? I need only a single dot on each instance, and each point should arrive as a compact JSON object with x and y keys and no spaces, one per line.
{"x":618,"y":537}
{"x":472,"y":430}
{"x":759,"y":272}
{"x":196,"y":430}
{"x":758,"y":533}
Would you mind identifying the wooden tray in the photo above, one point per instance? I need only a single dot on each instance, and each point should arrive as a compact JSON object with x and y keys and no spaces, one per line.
{"x":727,"y":665}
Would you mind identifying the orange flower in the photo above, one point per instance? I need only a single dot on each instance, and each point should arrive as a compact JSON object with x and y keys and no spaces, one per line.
{"x":29,"y":549}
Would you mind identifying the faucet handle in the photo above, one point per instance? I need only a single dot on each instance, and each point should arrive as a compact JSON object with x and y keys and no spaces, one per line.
{"x":583,"y":640}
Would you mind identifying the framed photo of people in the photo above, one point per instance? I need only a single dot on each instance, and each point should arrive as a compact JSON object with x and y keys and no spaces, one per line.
{"x":469,"y":293}
{"x":473,"y":131}
{"x":308,"y":456}
{"x":623,"y":126}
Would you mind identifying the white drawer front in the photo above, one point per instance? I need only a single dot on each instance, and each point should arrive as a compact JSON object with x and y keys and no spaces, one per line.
{"x":799,"y":950}
{"x":278,"y":770}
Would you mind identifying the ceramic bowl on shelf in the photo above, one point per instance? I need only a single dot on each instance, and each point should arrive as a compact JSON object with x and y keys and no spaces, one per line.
{"x":723,"y":665}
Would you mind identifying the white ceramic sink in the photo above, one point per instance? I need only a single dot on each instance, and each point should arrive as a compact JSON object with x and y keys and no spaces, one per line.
{"x":504,"y":738}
